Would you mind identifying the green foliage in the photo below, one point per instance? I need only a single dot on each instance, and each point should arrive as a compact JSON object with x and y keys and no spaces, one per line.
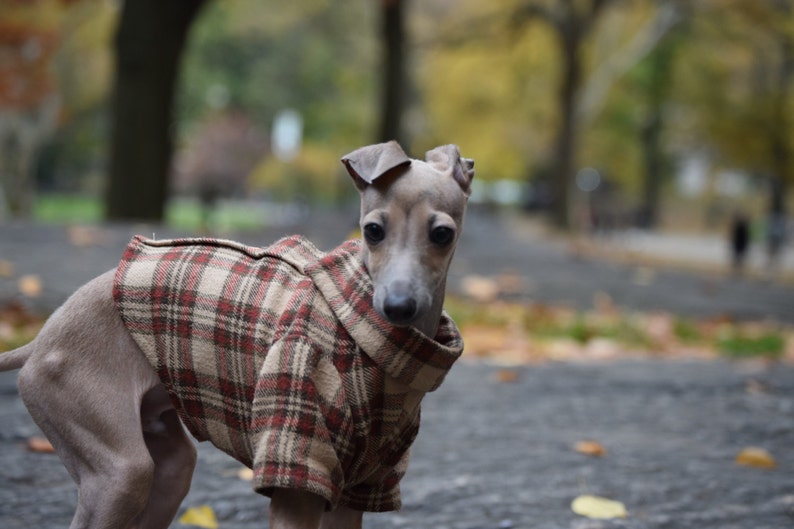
{"x":686,"y":331}
{"x":58,"y":208}
{"x":770,"y":345}
{"x":316,"y":57}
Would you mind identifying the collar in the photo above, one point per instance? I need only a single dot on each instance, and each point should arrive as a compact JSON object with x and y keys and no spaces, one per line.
{"x":404,"y":353}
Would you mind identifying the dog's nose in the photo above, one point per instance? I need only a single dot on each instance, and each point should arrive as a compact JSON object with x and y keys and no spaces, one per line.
{"x":399,"y":308}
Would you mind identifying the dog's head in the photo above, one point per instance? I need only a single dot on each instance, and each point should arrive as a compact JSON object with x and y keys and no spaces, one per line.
{"x":411,"y":218}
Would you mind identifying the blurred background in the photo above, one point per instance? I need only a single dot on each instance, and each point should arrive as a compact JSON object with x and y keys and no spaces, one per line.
{"x":593,"y":116}
{"x":669,"y":114}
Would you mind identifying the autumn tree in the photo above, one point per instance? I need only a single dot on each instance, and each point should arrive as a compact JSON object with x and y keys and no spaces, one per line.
{"x":735,"y":82}
{"x":149,"y":43}
{"x":29,"y":102}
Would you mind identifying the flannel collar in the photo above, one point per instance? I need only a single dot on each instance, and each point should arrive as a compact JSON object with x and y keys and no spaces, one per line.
{"x":404,"y":353}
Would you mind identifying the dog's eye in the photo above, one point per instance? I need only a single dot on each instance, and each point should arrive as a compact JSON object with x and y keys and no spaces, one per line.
{"x":442,"y":235}
{"x":374,"y":233}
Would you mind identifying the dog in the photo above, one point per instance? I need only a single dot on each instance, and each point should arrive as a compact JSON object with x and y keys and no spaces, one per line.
{"x":308,"y":367}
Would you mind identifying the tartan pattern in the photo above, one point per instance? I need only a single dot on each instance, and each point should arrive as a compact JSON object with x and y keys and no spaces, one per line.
{"x":276,"y":356}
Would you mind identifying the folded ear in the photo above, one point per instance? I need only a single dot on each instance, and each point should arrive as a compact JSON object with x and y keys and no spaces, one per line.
{"x":447,"y":159}
{"x":368,"y":163}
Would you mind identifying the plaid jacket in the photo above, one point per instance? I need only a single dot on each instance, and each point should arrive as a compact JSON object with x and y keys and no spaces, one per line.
{"x":276,"y":356}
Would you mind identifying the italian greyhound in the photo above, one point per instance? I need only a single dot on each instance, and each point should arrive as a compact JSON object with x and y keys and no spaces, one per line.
{"x":92,"y":391}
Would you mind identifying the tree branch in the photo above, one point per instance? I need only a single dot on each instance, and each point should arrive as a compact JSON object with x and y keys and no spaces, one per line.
{"x":644,"y":41}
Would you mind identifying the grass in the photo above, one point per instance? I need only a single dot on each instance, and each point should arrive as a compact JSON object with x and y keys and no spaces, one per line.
{"x":767,"y":345}
{"x":63,"y":209}
{"x":183,"y":214}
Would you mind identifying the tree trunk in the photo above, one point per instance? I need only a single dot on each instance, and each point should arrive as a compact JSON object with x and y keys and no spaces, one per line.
{"x":653,"y":152}
{"x":565,"y":145}
{"x":393,"y":78}
{"x":149,"y":44}
{"x":779,"y":140}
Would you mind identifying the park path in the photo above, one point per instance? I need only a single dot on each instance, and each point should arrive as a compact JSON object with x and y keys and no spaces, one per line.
{"x":551,"y":269}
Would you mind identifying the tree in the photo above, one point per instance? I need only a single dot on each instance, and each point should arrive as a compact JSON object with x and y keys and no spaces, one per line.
{"x":747,"y":51}
{"x":393,"y":78}
{"x":571,"y":22}
{"x":29,"y":103}
{"x":149,"y":44}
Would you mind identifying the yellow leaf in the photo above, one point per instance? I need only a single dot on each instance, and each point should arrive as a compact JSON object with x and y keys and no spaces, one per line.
{"x":30,"y":286}
{"x":756,"y":457}
{"x":201,"y":516}
{"x":245,"y":474}
{"x":507,"y":376}
{"x":40,"y":445}
{"x":590,"y":448}
{"x":480,"y":288}
{"x":6,"y":268}
{"x":598,"y":508}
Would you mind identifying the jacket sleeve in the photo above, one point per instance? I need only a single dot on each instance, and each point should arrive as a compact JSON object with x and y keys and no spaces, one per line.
{"x":298,"y":419}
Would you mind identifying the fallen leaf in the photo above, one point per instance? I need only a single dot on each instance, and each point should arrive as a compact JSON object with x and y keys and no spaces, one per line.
{"x":30,"y":285}
{"x":479,"y":288}
{"x":510,"y":283}
{"x":590,"y":448}
{"x":201,"y":516}
{"x":83,"y":236}
{"x":756,"y":457}
{"x":507,"y":376}
{"x":598,"y":508}
{"x":245,"y":474}
{"x":6,"y":268}
{"x":40,"y":445}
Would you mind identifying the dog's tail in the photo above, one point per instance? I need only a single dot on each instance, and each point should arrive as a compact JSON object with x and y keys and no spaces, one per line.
{"x":16,"y":358}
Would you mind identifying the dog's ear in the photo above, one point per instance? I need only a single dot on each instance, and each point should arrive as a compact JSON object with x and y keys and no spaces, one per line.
{"x":447,"y":158}
{"x":368,"y":163}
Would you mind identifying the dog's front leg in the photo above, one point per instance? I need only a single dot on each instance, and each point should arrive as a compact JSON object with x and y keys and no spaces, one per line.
{"x":294,"y":509}
{"x":342,"y":518}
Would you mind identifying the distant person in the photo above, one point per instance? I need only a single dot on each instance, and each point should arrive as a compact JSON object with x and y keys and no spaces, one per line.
{"x":740,"y":241}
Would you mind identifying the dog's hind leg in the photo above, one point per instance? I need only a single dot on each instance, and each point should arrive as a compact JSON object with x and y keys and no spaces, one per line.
{"x":107,"y":458}
{"x":174,"y":457}
{"x":84,"y":384}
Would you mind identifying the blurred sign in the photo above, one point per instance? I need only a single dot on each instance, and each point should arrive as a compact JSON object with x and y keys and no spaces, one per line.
{"x":588,"y":179}
{"x":287,"y":135}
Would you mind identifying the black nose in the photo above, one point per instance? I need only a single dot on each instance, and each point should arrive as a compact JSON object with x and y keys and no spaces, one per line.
{"x":399,"y":308}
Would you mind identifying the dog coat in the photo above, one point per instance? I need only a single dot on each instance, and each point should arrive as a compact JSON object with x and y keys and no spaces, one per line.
{"x":277,"y":357}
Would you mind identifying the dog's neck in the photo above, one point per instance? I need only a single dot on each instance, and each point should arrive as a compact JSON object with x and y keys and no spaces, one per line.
{"x":428,"y":325}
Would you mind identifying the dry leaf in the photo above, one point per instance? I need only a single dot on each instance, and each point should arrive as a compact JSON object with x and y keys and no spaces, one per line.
{"x":479,"y":288}
{"x":598,"y":508}
{"x":40,"y":445}
{"x":30,"y":285}
{"x":6,"y":268}
{"x":756,"y":457}
{"x":510,"y":283}
{"x":507,"y":376}
{"x":201,"y":516}
{"x":590,"y":448}
{"x":245,"y":474}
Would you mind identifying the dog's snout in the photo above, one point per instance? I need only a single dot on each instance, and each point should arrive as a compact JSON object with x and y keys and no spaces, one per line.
{"x":399,"y":308}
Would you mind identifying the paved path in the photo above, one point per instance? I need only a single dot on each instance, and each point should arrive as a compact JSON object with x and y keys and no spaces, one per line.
{"x":494,"y":455}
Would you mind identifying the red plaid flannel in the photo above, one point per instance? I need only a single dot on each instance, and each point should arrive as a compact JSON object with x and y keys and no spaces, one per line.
{"x":276,"y":356}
